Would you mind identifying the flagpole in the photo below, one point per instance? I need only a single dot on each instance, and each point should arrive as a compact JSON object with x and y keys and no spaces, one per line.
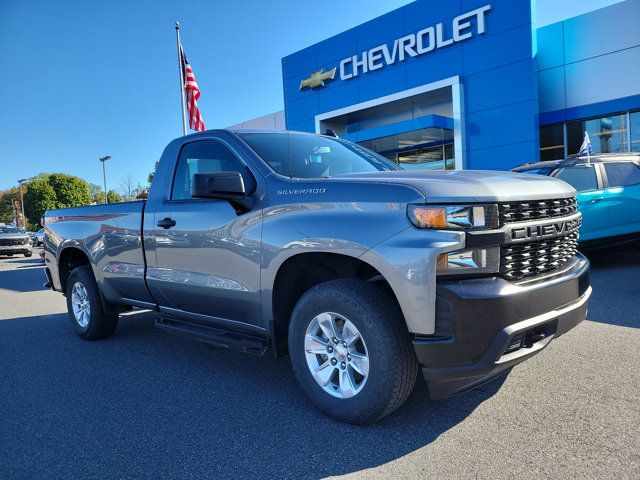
{"x":182,"y":101}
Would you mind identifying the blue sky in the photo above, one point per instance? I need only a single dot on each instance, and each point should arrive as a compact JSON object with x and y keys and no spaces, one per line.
{"x":85,"y":79}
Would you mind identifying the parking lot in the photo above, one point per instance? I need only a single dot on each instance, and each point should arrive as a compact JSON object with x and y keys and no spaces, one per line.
{"x":147,"y":404}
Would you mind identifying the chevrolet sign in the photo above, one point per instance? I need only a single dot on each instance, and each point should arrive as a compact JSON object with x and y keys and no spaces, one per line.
{"x":424,"y":41}
{"x":415,"y":44}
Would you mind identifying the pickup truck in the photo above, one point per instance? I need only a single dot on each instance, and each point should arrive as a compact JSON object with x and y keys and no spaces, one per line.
{"x":363,"y":273}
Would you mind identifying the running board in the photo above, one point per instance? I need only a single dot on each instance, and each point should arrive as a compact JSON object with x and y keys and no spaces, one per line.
{"x":215,"y":336}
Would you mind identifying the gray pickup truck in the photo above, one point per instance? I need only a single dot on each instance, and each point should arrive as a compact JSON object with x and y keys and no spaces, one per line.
{"x":362,"y":272}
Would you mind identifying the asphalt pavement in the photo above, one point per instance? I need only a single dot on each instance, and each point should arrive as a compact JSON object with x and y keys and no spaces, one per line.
{"x":147,"y":404}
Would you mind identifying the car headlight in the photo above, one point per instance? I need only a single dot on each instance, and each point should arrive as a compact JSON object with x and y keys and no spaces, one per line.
{"x":453,"y":217}
{"x":469,"y":262}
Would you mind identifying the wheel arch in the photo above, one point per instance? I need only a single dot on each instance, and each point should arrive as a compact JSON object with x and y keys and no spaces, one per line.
{"x":69,"y":258}
{"x":301,"y":272}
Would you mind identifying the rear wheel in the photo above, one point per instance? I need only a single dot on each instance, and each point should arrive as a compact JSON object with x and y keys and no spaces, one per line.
{"x":351,"y":351}
{"x":87,"y":312}
{"x":28,"y":254}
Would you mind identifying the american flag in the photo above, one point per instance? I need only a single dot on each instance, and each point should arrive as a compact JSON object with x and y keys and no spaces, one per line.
{"x":192,"y":94}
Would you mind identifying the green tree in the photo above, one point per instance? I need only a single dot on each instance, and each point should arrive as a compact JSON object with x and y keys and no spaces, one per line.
{"x":70,"y":191}
{"x":112,"y":197}
{"x":54,"y":190}
{"x":8,"y":199}
{"x":94,"y":191}
{"x":153,"y":173}
{"x":39,"y":198}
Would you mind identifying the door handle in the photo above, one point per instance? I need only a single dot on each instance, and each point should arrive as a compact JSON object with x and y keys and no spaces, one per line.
{"x":167,"y":223}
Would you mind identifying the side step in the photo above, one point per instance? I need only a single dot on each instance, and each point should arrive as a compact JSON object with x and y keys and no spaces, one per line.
{"x":243,"y":342}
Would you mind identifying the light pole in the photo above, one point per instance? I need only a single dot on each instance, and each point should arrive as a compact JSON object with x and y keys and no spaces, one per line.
{"x":104,"y":176}
{"x":20,"y":182}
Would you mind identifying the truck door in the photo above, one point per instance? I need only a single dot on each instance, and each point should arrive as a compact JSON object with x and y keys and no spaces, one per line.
{"x":207,"y":252}
{"x":591,"y":198}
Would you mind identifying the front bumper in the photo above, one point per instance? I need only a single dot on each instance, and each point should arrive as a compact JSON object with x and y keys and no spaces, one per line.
{"x":15,"y":249}
{"x":486,"y":326}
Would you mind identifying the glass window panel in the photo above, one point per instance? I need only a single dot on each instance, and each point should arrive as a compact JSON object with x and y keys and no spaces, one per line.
{"x":607,"y":134}
{"x":634,"y":120}
{"x":384,"y":144}
{"x":580,"y":177}
{"x":431,"y":158}
{"x":622,"y":174}
{"x":398,"y":148}
{"x":202,"y":157}
{"x":449,"y":157}
{"x":552,"y":142}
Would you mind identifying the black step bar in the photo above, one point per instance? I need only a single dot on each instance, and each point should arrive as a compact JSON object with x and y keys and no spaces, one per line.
{"x":215,"y":336}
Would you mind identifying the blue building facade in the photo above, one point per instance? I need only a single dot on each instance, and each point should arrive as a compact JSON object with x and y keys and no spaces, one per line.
{"x":472,"y":84}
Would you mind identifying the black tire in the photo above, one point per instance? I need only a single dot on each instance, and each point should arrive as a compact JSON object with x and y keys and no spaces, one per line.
{"x":101,"y":324}
{"x":28,"y":254}
{"x":393,"y":366}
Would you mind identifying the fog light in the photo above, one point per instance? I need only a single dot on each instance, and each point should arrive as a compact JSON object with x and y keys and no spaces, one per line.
{"x":472,"y":261}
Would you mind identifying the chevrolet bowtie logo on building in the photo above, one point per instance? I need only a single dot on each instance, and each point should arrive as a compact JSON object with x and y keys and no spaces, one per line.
{"x":317,"y":79}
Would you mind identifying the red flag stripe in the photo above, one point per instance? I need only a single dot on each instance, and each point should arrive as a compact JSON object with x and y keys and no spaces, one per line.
{"x":192,"y":93}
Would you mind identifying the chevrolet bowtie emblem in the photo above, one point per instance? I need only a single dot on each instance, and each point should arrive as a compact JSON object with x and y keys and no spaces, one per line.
{"x":317,"y":79}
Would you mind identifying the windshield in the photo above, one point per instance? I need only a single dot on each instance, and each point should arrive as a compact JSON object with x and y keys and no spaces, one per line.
{"x":311,"y":156}
{"x":9,"y":230}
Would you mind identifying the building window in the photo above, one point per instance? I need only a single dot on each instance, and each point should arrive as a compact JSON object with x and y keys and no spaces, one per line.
{"x":552,"y":142}
{"x":634,"y":126}
{"x":425,"y":149}
{"x":607,"y":134}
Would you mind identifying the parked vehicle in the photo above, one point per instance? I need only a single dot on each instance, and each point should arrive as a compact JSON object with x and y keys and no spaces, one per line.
{"x":33,"y":237}
{"x":14,"y":241}
{"x":313,"y":246}
{"x":40,"y":237}
{"x":608,"y":197}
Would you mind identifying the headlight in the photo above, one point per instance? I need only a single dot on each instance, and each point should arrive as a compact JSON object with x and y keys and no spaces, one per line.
{"x":469,"y":262}
{"x":454,"y":217}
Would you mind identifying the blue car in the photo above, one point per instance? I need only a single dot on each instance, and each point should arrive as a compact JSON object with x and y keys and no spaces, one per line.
{"x":608,"y":195}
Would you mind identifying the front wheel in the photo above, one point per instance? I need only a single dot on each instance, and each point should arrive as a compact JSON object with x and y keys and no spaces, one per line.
{"x":28,"y":254}
{"x":351,"y":352}
{"x":87,"y":312}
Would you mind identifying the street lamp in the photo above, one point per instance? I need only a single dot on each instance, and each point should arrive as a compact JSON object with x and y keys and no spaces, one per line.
{"x":104,"y":175}
{"x":20,"y":182}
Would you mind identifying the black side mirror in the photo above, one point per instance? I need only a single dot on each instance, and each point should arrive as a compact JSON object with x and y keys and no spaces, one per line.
{"x":221,"y":185}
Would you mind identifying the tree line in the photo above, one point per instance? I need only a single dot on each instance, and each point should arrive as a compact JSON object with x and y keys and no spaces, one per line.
{"x":48,"y":191}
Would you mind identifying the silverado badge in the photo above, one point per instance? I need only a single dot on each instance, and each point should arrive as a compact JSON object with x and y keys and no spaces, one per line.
{"x":317,"y":78}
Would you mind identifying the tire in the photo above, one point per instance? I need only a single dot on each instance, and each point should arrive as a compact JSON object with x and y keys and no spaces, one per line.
{"x":92,"y":322}
{"x":391,"y":366}
{"x":28,"y":254}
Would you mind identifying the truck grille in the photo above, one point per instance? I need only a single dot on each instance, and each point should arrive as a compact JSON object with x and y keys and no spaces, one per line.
{"x":537,"y":209}
{"x":11,"y":242}
{"x":533,"y":258}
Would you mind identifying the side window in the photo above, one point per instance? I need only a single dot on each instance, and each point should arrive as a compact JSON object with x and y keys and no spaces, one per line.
{"x":580,"y":177}
{"x":207,"y":156}
{"x":622,"y":174}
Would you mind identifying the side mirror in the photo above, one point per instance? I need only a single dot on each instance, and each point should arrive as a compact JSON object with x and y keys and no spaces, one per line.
{"x":221,"y":185}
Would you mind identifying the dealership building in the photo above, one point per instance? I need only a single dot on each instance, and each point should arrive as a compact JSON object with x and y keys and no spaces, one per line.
{"x":471,"y":84}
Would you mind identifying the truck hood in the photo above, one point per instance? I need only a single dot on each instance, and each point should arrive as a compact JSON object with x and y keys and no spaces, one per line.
{"x":471,"y":185}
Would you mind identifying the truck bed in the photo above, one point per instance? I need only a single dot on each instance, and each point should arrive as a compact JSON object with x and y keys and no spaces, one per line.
{"x":111,"y":237}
